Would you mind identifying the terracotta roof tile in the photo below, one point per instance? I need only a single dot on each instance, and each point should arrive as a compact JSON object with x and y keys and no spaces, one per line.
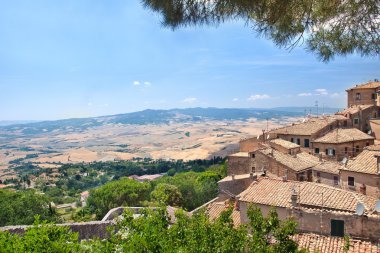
{"x":369,"y":85}
{"x":274,"y":192}
{"x":298,"y":162}
{"x":215,"y":209}
{"x":342,"y":135}
{"x":284,"y":143}
{"x":308,"y":127}
{"x":329,"y":167}
{"x":354,"y":109}
{"x":327,"y":244}
{"x":365,"y":162}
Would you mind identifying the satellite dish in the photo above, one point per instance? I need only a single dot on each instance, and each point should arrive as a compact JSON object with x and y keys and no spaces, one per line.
{"x":377,"y":206}
{"x":360,"y":209}
{"x":304,"y":120}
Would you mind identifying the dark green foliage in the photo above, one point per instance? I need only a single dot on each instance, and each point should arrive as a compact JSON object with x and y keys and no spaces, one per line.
{"x":124,"y":192}
{"x":328,"y":27}
{"x":19,"y":208}
{"x":166,"y":194}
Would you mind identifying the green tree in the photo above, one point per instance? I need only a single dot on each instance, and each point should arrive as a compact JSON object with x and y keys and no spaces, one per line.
{"x":166,"y":194}
{"x":19,"y":208}
{"x":124,"y":192}
{"x":327,"y":27}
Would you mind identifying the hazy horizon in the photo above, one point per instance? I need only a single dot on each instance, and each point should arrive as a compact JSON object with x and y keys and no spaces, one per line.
{"x":75,"y":59}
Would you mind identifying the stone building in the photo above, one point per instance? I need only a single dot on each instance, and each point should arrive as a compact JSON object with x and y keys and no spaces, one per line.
{"x":341,"y":142}
{"x":317,"y":208}
{"x":360,"y":116}
{"x":293,"y":166}
{"x":362,"y":173}
{"x":327,"y":172}
{"x":310,"y":129}
{"x":241,"y":163}
{"x":363,"y":94}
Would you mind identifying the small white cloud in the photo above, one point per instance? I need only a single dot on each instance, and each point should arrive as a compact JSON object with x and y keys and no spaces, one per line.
{"x":136,"y":83}
{"x":89,"y":104}
{"x":334,"y":95}
{"x":189,"y":100}
{"x":258,"y":97}
{"x":306,"y":94}
{"x":321,"y":91}
{"x":147,"y":84}
{"x":106,"y":105}
{"x":235,"y":99}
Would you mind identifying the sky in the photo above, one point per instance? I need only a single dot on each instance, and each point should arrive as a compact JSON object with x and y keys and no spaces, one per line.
{"x":65,"y":59}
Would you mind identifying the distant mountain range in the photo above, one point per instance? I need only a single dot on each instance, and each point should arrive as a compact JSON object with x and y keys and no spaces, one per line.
{"x":159,"y":117}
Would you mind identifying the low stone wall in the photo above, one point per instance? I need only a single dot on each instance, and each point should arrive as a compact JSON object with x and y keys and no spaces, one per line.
{"x":85,"y":230}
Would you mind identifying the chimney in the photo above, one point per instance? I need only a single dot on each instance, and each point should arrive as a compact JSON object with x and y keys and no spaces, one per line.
{"x":294,"y":197}
{"x":253,"y":176}
{"x":237,"y":204}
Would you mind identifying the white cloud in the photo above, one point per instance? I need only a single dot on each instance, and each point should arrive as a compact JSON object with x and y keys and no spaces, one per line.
{"x":306,"y":94}
{"x":334,"y":95}
{"x":235,"y":99}
{"x":89,"y":104}
{"x":147,"y":84}
{"x":321,"y":91}
{"x":189,"y":100}
{"x":258,"y":97}
{"x":136,"y":83}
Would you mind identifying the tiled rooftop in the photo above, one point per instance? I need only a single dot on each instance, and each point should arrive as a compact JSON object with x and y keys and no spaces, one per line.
{"x":342,"y":135}
{"x":354,"y":109}
{"x":240,"y":154}
{"x":298,"y":162}
{"x":369,"y":85}
{"x":216,"y":208}
{"x":328,"y":244}
{"x":285,"y":144}
{"x":329,"y":167}
{"x":308,"y":127}
{"x":275,"y":192}
{"x":365,"y":162}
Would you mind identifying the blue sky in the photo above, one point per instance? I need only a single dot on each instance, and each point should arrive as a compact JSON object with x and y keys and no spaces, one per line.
{"x":61,"y":59}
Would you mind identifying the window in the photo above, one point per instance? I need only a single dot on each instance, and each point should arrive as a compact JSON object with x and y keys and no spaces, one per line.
{"x":351,"y":181}
{"x":307,"y":143}
{"x":337,"y":228}
{"x":356,"y":121}
{"x":336,"y":180}
{"x":253,"y":169}
{"x":318,"y":174}
{"x":345,"y":150}
{"x":292,"y":139}
{"x":298,"y":141}
{"x":357,"y":149}
{"x":358,"y":96}
{"x":345,"y":123}
{"x":373,"y":96}
{"x":367,"y":144}
{"x":331,"y":152}
{"x":253,"y":155}
{"x":316,"y":150}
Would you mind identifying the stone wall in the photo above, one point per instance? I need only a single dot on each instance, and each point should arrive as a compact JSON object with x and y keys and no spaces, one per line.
{"x":326,"y":178}
{"x":235,"y":184}
{"x":238,"y":165}
{"x":85,"y":230}
{"x":274,"y":167}
{"x":310,"y":221}
{"x":371,"y":182}
{"x":340,"y":149}
{"x":365,"y":97}
{"x":249,"y":145}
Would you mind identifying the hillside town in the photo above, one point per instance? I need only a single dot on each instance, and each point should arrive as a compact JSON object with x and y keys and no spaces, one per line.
{"x":323,"y":171}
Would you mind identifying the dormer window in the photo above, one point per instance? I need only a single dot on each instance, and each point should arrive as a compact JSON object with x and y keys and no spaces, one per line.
{"x":358,"y":96}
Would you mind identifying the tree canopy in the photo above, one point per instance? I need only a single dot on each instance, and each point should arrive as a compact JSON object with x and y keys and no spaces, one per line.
{"x":326,"y":27}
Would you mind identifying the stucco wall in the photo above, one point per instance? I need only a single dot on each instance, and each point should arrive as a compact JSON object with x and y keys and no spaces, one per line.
{"x":326,"y":178}
{"x":249,"y":145}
